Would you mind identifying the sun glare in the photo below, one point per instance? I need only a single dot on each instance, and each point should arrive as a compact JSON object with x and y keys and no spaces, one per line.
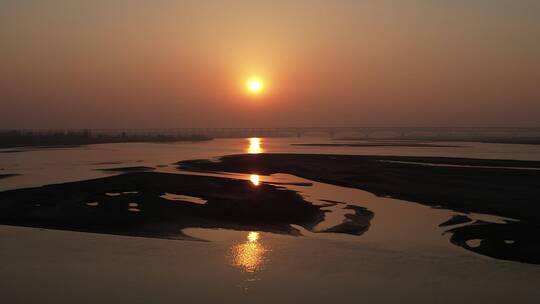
{"x":254,"y":85}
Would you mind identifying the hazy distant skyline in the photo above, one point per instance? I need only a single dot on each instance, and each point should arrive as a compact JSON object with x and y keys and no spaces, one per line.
{"x":142,"y":64}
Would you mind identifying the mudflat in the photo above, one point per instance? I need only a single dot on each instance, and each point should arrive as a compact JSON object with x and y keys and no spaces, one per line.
{"x":472,"y":188}
{"x":139,"y":204}
{"x":507,"y":188}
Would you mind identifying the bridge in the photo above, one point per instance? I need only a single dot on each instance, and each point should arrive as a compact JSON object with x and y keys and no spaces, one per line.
{"x":341,"y":132}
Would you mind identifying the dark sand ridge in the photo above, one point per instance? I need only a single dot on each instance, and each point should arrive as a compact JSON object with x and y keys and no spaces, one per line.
{"x":131,"y":204}
{"x":127,"y":169}
{"x":467,"y":189}
{"x":509,"y":193}
{"x":456,"y":220}
{"x":11,"y":151}
{"x":7,"y":175}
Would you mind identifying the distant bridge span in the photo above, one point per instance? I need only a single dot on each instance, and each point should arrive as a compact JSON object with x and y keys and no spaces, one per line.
{"x":337,"y":132}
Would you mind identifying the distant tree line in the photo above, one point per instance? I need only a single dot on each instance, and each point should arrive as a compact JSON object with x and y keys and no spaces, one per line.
{"x":18,"y":138}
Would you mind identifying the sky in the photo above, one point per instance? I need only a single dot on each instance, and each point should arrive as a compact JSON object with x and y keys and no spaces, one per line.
{"x":174,"y":64}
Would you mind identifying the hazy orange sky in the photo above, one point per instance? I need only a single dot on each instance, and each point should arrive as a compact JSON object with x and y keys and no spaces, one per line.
{"x":138,"y":64}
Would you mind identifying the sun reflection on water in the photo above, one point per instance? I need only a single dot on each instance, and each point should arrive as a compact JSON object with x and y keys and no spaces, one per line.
{"x":250,"y":255}
{"x":255,"y":179}
{"x":255,"y":145}
{"x":253,"y":236}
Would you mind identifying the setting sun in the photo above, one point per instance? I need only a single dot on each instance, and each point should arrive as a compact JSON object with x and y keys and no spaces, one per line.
{"x":254,"y":85}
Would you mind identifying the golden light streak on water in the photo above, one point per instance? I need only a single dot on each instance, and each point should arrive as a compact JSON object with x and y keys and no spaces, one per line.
{"x":250,"y":255}
{"x":255,"y":145}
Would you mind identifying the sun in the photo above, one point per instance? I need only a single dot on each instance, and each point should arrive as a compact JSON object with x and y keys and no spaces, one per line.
{"x":254,"y":85}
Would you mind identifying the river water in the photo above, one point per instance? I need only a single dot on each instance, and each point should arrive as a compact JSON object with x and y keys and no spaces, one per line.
{"x":404,"y":257}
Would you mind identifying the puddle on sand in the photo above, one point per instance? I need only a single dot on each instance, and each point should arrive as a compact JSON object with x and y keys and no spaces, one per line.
{"x":473,"y":243}
{"x":180,"y":197}
{"x":120,"y":193}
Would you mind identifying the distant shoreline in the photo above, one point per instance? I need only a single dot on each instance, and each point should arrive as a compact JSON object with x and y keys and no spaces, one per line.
{"x":403,"y":143}
{"x":486,"y":140}
{"x":19,"y":139}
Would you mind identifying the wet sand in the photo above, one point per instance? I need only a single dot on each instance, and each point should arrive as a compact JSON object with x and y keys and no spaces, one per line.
{"x":510,"y":193}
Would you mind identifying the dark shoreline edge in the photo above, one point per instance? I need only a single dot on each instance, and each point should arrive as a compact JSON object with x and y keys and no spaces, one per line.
{"x":19,"y":141}
{"x":486,"y":140}
{"x":510,"y":193}
{"x":7,"y":175}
